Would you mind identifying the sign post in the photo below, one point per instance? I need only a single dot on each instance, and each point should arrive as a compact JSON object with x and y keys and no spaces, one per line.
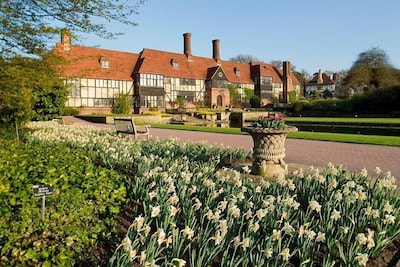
{"x":43,"y":191}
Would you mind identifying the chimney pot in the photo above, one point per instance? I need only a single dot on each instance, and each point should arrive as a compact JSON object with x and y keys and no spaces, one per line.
{"x":66,"y":39}
{"x":216,"y":56}
{"x":320,"y":80}
{"x":187,"y":49}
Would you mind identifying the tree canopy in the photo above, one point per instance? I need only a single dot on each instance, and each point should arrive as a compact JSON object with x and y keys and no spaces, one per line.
{"x":372,"y":70}
{"x":244,"y":58}
{"x":27,"y":25}
{"x":29,"y":89}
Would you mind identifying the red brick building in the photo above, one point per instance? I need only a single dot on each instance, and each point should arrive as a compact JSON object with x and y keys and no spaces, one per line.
{"x":160,"y":79}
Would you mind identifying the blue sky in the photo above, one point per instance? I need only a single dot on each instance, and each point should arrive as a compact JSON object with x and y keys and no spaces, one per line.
{"x":312,"y":34}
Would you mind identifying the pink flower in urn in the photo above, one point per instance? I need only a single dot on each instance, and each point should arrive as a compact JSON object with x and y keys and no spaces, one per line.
{"x":271,"y":120}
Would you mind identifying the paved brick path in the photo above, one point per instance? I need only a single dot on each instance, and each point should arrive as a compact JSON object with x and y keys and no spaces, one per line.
{"x":298,"y":152}
{"x":306,"y":152}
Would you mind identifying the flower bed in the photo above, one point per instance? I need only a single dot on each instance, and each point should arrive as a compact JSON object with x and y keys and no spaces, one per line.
{"x":78,"y":215}
{"x":191,"y":212}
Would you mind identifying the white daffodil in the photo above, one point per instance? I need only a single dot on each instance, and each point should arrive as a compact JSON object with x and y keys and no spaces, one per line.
{"x":338,"y":196}
{"x":287,"y":228}
{"x":245,"y":243}
{"x":127,"y":243}
{"x":138,"y":222}
{"x":179,"y":262}
{"x":276,"y":234}
{"x":362,"y":259}
{"x":285,"y":254}
{"x":197,"y":205}
{"x":174,"y":199}
{"x":301,"y":231}
{"x":310,"y":234}
{"x":155,"y":211}
{"x":335,"y":215}
{"x":361,"y":239}
{"x":261,"y":213}
{"x":268,"y":252}
{"x":320,"y":237}
{"x":132,"y":254}
{"x":236,"y":241}
{"x":173,"y":211}
{"x":248,"y":214}
{"x":152,"y":194}
{"x":388,"y":208}
{"x":364,"y":173}
{"x":143,"y":257}
{"x":217,"y":238}
{"x":255,"y":227}
{"x":389,"y":219}
{"x":234,"y":211}
{"x":160,"y":236}
{"x":222,"y":205}
{"x":314,"y":205}
{"x":246,"y":169}
{"x":345,"y":229}
{"x":189,"y":233}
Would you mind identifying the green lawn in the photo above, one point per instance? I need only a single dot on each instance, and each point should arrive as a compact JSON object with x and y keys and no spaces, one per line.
{"x":335,"y":137}
{"x":345,"y":120}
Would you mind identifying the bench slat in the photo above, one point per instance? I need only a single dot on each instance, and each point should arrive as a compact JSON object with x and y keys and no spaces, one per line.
{"x":127,"y":126}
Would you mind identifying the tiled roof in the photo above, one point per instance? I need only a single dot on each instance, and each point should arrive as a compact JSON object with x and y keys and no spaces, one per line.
{"x":325,"y":78}
{"x":270,"y":70}
{"x":231,"y":70}
{"x":86,"y":62}
{"x":161,"y":62}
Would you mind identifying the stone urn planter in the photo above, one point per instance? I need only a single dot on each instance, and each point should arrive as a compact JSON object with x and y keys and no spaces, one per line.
{"x":269,"y":150}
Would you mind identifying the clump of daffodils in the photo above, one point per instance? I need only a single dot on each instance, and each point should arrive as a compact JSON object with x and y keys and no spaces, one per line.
{"x":193,"y":213}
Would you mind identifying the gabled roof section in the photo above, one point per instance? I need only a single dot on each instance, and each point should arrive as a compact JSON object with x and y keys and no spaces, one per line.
{"x":161,"y":62}
{"x":268,"y":70}
{"x":82,"y":61}
{"x":211,"y":72}
{"x":237,"y":72}
{"x":325,"y":79}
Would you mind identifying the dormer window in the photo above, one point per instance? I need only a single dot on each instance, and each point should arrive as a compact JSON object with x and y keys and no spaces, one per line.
{"x":174,"y":64}
{"x":105,"y":64}
{"x":237,"y":71}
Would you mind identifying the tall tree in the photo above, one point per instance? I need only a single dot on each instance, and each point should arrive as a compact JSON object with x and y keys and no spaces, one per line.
{"x":27,"y":25}
{"x":244,"y":59}
{"x":279,"y":65}
{"x":276,"y":62}
{"x":372,"y":70}
{"x":29,"y":89}
{"x":303,"y":76}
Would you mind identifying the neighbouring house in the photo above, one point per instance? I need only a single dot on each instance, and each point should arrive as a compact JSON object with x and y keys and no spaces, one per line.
{"x":321,"y":85}
{"x":162,"y":80}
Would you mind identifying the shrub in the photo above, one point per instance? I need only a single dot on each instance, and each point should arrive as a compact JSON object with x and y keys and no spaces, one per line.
{"x":122,"y":104}
{"x":292,"y":96}
{"x":78,"y":216}
{"x":255,"y":101}
{"x":69,"y":111}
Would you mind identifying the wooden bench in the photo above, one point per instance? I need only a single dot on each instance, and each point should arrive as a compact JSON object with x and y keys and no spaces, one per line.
{"x":127,"y":126}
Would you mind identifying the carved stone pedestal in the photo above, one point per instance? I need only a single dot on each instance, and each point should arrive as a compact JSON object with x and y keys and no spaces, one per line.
{"x":269,"y":150}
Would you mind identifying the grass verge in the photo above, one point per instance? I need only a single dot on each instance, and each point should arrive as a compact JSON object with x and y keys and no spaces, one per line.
{"x":334,"y":137}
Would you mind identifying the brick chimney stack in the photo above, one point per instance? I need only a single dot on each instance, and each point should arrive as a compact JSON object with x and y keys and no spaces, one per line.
{"x":187,"y":46}
{"x":216,"y":56}
{"x":287,"y":80}
{"x":66,"y":39}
